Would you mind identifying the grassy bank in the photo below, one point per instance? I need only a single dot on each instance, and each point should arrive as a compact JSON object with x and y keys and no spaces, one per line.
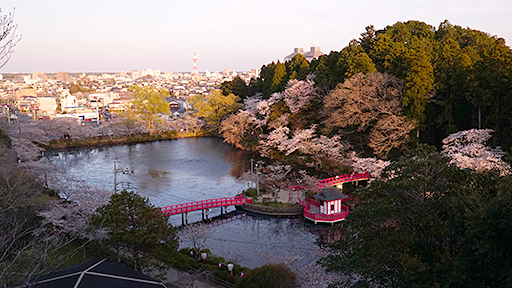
{"x":108,"y":141}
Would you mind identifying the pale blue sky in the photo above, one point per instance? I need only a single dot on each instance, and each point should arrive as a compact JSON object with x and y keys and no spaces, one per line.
{"x":114,"y":35}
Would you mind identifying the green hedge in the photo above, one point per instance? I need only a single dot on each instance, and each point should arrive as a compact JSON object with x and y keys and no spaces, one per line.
{"x":5,"y":139}
{"x":268,"y":276}
{"x":194,"y":260}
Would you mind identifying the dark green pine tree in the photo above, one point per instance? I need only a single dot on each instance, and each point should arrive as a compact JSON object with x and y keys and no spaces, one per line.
{"x":138,"y":231}
{"x":354,"y":60}
{"x":419,"y":81}
{"x":279,"y":78}
{"x":452,"y":67}
{"x":298,"y":67}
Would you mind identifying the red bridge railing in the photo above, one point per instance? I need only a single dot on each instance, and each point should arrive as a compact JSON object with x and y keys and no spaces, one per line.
{"x":205,"y":204}
{"x":324,"y":217}
{"x":334,"y":181}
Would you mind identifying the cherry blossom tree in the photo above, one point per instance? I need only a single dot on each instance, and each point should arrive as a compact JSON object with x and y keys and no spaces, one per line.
{"x":251,"y":103}
{"x":468,"y":150}
{"x":188,"y":123}
{"x":305,"y":182}
{"x":305,"y":142}
{"x":298,"y":94}
{"x":277,"y":139}
{"x":240,"y":128}
{"x":115,"y":127}
{"x":371,"y":165}
{"x":280,"y":121}
{"x":301,"y":141}
{"x":68,"y":126}
{"x":27,"y":139}
{"x":26,"y":243}
{"x":76,"y":191}
{"x":273,"y":176}
{"x":69,"y":218}
{"x":196,"y":235}
{"x":263,"y":109}
{"x":274,"y":98}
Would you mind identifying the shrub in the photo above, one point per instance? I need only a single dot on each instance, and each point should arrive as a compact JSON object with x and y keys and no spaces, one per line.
{"x":251,"y":192}
{"x":5,"y":139}
{"x":268,"y":276}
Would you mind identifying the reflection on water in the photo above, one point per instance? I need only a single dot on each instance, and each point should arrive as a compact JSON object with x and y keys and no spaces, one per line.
{"x":183,"y":170}
{"x":167,"y":172}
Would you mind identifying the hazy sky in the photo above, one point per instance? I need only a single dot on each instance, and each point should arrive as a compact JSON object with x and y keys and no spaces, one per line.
{"x":114,"y":35}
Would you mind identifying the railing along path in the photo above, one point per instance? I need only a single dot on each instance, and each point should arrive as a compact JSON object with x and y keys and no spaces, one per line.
{"x":334,"y":181}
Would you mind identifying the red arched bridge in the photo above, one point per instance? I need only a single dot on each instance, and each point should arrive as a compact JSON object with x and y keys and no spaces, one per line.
{"x":310,"y":211}
{"x":204,"y":205}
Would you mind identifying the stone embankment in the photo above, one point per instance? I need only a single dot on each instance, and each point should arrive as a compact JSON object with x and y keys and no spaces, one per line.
{"x":271,"y":211}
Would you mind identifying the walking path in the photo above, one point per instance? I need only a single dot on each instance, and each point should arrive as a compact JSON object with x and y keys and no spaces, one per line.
{"x":175,"y":278}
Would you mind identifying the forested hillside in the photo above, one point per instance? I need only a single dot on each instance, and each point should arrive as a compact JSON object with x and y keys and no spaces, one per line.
{"x":452,"y":78}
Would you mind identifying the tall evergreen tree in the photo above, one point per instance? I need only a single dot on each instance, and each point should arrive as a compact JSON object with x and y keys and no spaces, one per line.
{"x":418,"y":82}
{"x":298,"y":67}
{"x":279,"y":78}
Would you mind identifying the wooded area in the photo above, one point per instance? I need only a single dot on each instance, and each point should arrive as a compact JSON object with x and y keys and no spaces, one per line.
{"x":453,"y":78}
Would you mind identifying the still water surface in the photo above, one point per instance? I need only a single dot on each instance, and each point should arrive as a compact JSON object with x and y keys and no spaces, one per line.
{"x":184,"y":170}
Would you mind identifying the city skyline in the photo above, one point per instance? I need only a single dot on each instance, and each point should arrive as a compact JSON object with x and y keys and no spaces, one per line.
{"x":110,"y":36}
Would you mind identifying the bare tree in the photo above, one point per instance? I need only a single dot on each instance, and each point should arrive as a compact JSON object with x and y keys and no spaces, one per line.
{"x":8,"y":37}
{"x":195,"y":235}
{"x":370,"y":102}
{"x":26,"y":244}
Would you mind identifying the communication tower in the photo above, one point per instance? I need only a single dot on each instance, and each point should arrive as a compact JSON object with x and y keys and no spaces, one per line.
{"x":194,"y":70}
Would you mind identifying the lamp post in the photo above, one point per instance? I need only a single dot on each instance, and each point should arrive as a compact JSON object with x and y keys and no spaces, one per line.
{"x":230,"y":269}
{"x":257,"y":181}
{"x":204,"y":255}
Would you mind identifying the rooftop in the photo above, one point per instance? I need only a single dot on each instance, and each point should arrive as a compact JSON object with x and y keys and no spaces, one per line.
{"x":330,"y":193}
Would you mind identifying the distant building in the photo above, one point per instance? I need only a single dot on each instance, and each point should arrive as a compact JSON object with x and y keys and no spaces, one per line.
{"x":226,"y":72}
{"x":47,"y":105}
{"x":25,"y":103}
{"x":120,"y":104}
{"x":102,"y":100}
{"x":68,"y":103}
{"x":63,"y":76}
{"x":255,"y":73}
{"x":147,"y":72}
{"x":22,"y":92}
{"x":135,"y":74}
{"x":39,"y":76}
{"x":312,"y":54}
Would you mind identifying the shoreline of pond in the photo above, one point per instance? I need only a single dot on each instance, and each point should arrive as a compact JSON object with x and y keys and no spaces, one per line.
{"x":105,"y":141}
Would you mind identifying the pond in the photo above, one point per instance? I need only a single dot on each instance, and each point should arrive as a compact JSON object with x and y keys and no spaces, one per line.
{"x":183,"y":170}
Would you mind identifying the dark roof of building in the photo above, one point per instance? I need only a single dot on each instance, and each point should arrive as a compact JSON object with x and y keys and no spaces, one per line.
{"x":330,"y":193}
{"x":98,"y":273}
